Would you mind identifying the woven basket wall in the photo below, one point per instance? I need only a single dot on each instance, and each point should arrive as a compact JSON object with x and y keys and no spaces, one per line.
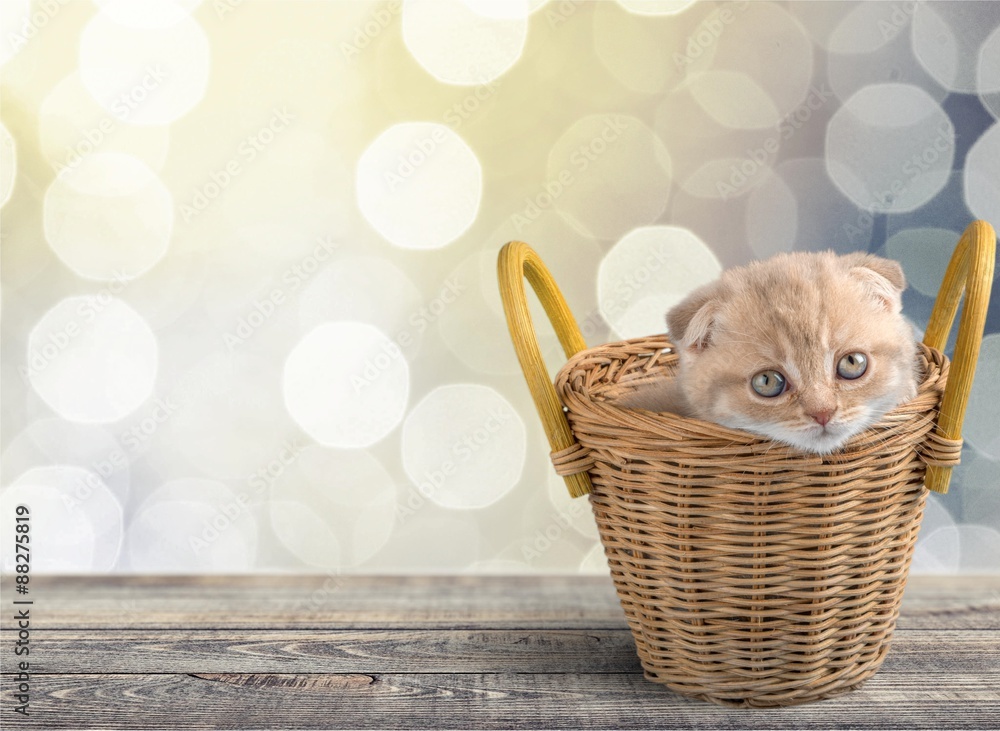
{"x":750,"y":573}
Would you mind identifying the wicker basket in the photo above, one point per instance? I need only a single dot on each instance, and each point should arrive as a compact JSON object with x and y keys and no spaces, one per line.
{"x":751,"y":573}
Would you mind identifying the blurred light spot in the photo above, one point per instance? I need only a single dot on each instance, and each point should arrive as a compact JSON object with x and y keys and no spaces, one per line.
{"x":734,"y":99}
{"x":825,"y":218}
{"x":761,"y":55}
{"x":145,"y":75}
{"x":988,"y":74}
{"x":224,"y":415}
{"x":980,"y":489}
{"x":649,"y":271}
{"x":464,"y":446}
{"x":92,"y":359}
{"x":871,"y":45}
{"x":982,"y":176}
{"x":595,"y":562}
{"x":346,"y":384}
{"x":640,"y":51}
{"x":52,"y":441}
{"x":419,"y":185}
{"x":371,"y":289}
{"x":232,"y":510}
{"x":980,"y":549}
{"x":504,"y":9}
{"x":575,"y":511}
{"x":15,"y":19}
{"x":982,"y":419}
{"x":186,"y":536}
{"x":305,"y":534}
{"x":458,"y":45}
{"x":607,"y":174}
{"x":469,"y":326}
{"x":772,"y":217}
{"x":947,"y":37}
{"x":890,"y":148}
{"x":351,"y":495}
{"x":76,"y":522}
{"x":72,"y":125}
{"x":725,"y":178}
{"x":934,"y":555}
{"x":8,"y":164}
{"x":432,"y":537}
{"x":656,"y":7}
{"x":868,"y":27}
{"x":109,"y":218}
{"x":147,"y":13}
{"x":924,"y":254}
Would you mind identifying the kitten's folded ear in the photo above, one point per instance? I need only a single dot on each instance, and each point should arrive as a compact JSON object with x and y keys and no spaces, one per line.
{"x":883,"y":278}
{"x":690,"y":322}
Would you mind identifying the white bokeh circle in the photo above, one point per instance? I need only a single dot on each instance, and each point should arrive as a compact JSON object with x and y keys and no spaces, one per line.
{"x":186,"y":536}
{"x":924,"y":253}
{"x":572,"y":510}
{"x":202,"y":513}
{"x":649,"y":271}
{"x":890,"y":148}
{"x":53,"y":441}
{"x":982,"y":419}
{"x":772,"y":217}
{"x":109,"y":218}
{"x":147,"y":13}
{"x":759,"y":60}
{"x":458,"y":45}
{"x":92,"y":358}
{"x":370,"y":289}
{"x":145,"y":75}
{"x":734,"y":99}
{"x":656,"y":7}
{"x":76,"y":521}
{"x":988,"y":74}
{"x":595,"y":562}
{"x":606,"y":174}
{"x":72,"y":125}
{"x":464,"y":446}
{"x":222,"y":414}
{"x":947,"y":38}
{"x":8,"y":164}
{"x":351,"y":502}
{"x":346,"y":384}
{"x":982,"y":176}
{"x":419,"y":185}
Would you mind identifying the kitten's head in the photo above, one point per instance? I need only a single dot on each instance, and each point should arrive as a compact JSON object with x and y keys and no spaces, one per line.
{"x":808,"y":349}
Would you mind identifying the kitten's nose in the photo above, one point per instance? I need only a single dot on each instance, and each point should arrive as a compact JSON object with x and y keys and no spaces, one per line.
{"x":821,"y":417}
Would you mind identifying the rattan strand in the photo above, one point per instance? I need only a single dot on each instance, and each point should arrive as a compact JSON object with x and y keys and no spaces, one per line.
{"x":751,"y":574}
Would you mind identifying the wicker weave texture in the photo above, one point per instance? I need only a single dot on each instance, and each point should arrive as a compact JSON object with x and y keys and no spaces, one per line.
{"x":750,"y":573}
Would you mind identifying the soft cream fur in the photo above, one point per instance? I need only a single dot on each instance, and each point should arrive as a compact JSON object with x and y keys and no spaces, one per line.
{"x":798,"y":314}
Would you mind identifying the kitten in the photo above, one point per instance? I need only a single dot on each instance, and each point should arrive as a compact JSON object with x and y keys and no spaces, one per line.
{"x":808,"y":349}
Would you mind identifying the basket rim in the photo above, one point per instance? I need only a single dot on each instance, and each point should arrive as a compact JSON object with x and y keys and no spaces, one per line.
{"x":575,"y":393}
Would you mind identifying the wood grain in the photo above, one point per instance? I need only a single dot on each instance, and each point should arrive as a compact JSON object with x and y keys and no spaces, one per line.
{"x":485,"y":701}
{"x":443,"y":652}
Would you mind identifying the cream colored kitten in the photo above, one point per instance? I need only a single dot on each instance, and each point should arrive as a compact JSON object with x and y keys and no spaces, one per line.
{"x":805,"y":348}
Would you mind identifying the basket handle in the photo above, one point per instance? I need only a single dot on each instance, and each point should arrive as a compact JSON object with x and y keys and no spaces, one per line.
{"x":519,"y":261}
{"x":970,"y":271}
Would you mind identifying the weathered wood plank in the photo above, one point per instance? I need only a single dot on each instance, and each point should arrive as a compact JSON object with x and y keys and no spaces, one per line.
{"x":514,"y":701}
{"x":306,"y":601}
{"x":334,"y":651}
{"x":277,"y":602}
{"x":429,"y":651}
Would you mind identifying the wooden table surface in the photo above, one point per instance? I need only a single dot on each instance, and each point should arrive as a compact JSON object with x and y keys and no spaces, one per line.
{"x":437,"y":652}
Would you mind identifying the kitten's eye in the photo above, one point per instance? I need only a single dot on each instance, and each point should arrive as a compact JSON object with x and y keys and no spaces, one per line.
{"x":852,"y":365}
{"x":768,"y":383}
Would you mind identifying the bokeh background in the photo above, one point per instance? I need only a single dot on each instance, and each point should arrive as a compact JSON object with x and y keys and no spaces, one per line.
{"x":250,"y":318}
